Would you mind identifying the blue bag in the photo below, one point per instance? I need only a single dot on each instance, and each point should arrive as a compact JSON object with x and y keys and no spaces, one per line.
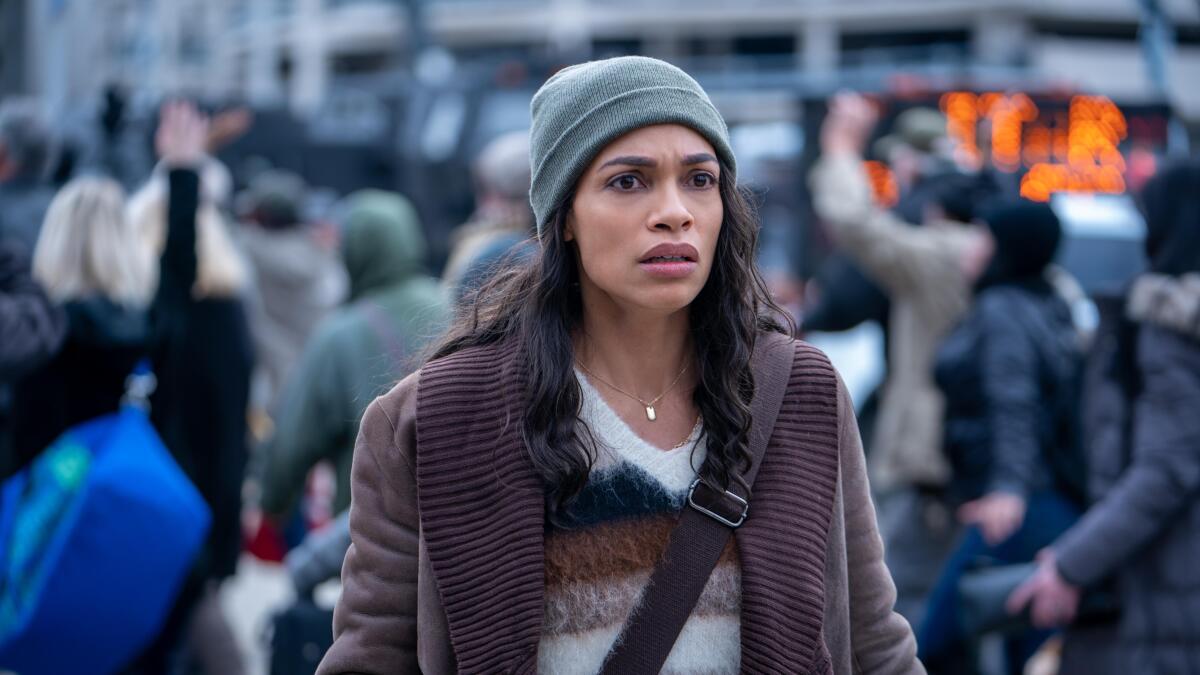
{"x":96,"y":539}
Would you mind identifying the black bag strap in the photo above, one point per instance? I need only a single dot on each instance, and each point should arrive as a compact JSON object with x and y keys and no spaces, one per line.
{"x":702,"y":532}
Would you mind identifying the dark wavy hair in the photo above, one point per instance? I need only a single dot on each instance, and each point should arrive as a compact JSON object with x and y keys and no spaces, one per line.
{"x":539,"y":305}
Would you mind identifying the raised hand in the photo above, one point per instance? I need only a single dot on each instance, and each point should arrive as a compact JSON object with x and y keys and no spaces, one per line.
{"x":848,"y":124}
{"x":182,"y":136}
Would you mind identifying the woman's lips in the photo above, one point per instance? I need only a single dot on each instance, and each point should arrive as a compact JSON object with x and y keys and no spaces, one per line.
{"x":668,"y":269}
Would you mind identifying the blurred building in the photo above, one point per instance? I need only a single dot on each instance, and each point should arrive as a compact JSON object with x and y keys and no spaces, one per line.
{"x":293,"y":51}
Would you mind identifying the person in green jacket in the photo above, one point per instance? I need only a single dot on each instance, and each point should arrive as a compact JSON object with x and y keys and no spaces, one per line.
{"x":357,"y":353}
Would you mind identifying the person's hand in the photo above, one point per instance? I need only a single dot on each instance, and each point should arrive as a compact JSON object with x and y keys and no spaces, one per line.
{"x":848,"y":124}
{"x":182,"y":136}
{"x":997,"y":515}
{"x":1054,"y":601}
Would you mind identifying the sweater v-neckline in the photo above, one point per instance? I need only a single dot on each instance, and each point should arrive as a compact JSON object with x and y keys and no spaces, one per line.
{"x":625,"y":436}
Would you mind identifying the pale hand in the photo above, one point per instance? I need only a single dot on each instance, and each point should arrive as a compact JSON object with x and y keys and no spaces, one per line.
{"x":998,"y":515}
{"x":1054,"y":601}
{"x":182,"y":136}
{"x":848,"y":124}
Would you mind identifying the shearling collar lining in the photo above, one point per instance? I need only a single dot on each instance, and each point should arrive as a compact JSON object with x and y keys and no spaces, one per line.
{"x":1169,"y":302}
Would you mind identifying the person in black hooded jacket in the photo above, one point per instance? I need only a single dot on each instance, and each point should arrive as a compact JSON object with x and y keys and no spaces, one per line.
{"x":1009,"y":373}
{"x":203,"y":357}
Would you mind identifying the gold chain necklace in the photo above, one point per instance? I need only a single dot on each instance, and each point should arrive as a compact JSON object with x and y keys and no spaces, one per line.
{"x":648,"y":405}
{"x":687,"y":438}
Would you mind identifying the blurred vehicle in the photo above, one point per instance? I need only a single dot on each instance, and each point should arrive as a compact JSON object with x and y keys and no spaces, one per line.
{"x":1103,"y":243}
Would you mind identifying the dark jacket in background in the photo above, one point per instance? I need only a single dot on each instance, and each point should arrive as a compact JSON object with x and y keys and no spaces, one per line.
{"x":1008,"y":373}
{"x":203,"y":358}
{"x":23,"y":204}
{"x":85,"y":379}
{"x":31,"y":331}
{"x":33,"y":328}
{"x":1145,"y":477}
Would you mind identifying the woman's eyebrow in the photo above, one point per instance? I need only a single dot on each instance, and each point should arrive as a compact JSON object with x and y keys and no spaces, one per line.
{"x":630,"y":160}
{"x":699,"y":158}
{"x":637,"y":160}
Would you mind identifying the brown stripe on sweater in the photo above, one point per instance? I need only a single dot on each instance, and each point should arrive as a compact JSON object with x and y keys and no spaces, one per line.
{"x":612,"y":550}
{"x":585,"y":606}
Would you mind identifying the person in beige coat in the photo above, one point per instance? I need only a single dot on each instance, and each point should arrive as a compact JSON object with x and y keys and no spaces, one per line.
{"x":928,"y":273}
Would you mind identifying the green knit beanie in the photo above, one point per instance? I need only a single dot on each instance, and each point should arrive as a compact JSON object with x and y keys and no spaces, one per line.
{"x":585,"y":107}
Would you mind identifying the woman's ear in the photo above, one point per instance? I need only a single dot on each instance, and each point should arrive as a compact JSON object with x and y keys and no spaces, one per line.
{"x":569,"y":227}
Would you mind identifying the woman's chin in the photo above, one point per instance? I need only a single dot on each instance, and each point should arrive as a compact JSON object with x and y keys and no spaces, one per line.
{"x":665,"y":300}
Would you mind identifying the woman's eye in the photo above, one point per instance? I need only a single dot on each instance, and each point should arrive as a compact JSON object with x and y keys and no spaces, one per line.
{"x":626,"y":182}
{"x":703,"y":180}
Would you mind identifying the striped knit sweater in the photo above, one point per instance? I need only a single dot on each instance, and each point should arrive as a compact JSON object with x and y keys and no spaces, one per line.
{"x":597,"y":570}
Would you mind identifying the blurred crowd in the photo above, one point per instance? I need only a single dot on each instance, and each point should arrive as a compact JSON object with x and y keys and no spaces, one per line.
{"x":1036,"y":476}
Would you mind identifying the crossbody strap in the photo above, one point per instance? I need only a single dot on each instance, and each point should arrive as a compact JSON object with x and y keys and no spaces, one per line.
{"x":701,"y":534}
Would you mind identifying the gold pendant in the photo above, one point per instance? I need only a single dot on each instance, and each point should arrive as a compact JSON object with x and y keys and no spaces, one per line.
{"x":650,"y":414}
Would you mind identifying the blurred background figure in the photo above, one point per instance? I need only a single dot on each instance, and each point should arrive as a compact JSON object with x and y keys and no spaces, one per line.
{"x":357,"y":353}
{"x":33,"y":328}
{"x":502,"y":217}
{"x":918,"y":152}
{"x":845,"y":294}
{"x":203,"y":358}
{"x":93,"y":264}
{"x":1010,"y":375}
{"x":298,"y":278}
{"x":927,"y":273}
{"x":1143,"y":442}
{"x":25,"y":192}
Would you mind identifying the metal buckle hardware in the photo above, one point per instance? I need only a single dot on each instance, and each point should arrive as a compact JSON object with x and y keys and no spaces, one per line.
{"x":716,"y":516}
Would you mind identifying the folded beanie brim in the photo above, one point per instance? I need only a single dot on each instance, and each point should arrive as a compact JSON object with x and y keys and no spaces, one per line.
{"x":614,"y":97}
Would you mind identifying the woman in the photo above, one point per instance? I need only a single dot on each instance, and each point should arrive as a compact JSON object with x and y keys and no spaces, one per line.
{"x":511,"y":498}
{"x":202,"y":357}
{"x":1143,"y":437}
{"x":91,"y":261}
{"x":1008,"y":373}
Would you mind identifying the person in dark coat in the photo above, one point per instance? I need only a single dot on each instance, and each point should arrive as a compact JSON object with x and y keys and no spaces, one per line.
{"x":203,"y":358}
{"x":1144,"y":449}
{"x":89,"y":260}
{"x":24,"y":193}
{"x":1009,"y":374}
{"x":33,"y":328}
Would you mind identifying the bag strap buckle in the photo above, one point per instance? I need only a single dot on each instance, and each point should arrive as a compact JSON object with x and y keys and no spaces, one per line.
{"x":729,"y":498}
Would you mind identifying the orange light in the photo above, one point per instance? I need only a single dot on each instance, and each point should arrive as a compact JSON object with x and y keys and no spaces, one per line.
{"x":1037,"y":146}
{"x":962,"y":117}
{"x":883,"y":184}
{"x":1079,"y":151}
{"x":1009,"y":115}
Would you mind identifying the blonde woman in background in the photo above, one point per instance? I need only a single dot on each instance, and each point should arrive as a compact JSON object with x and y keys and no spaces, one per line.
{"x":203,"y":357}
{"x":89,"y":260}
{"x":221,"y":271}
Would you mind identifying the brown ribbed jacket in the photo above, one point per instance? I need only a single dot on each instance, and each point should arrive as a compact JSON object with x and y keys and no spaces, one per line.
{"x":392,"y":617}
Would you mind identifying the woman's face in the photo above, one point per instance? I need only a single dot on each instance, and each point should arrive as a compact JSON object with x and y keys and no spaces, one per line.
{"x":645,"y":219}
